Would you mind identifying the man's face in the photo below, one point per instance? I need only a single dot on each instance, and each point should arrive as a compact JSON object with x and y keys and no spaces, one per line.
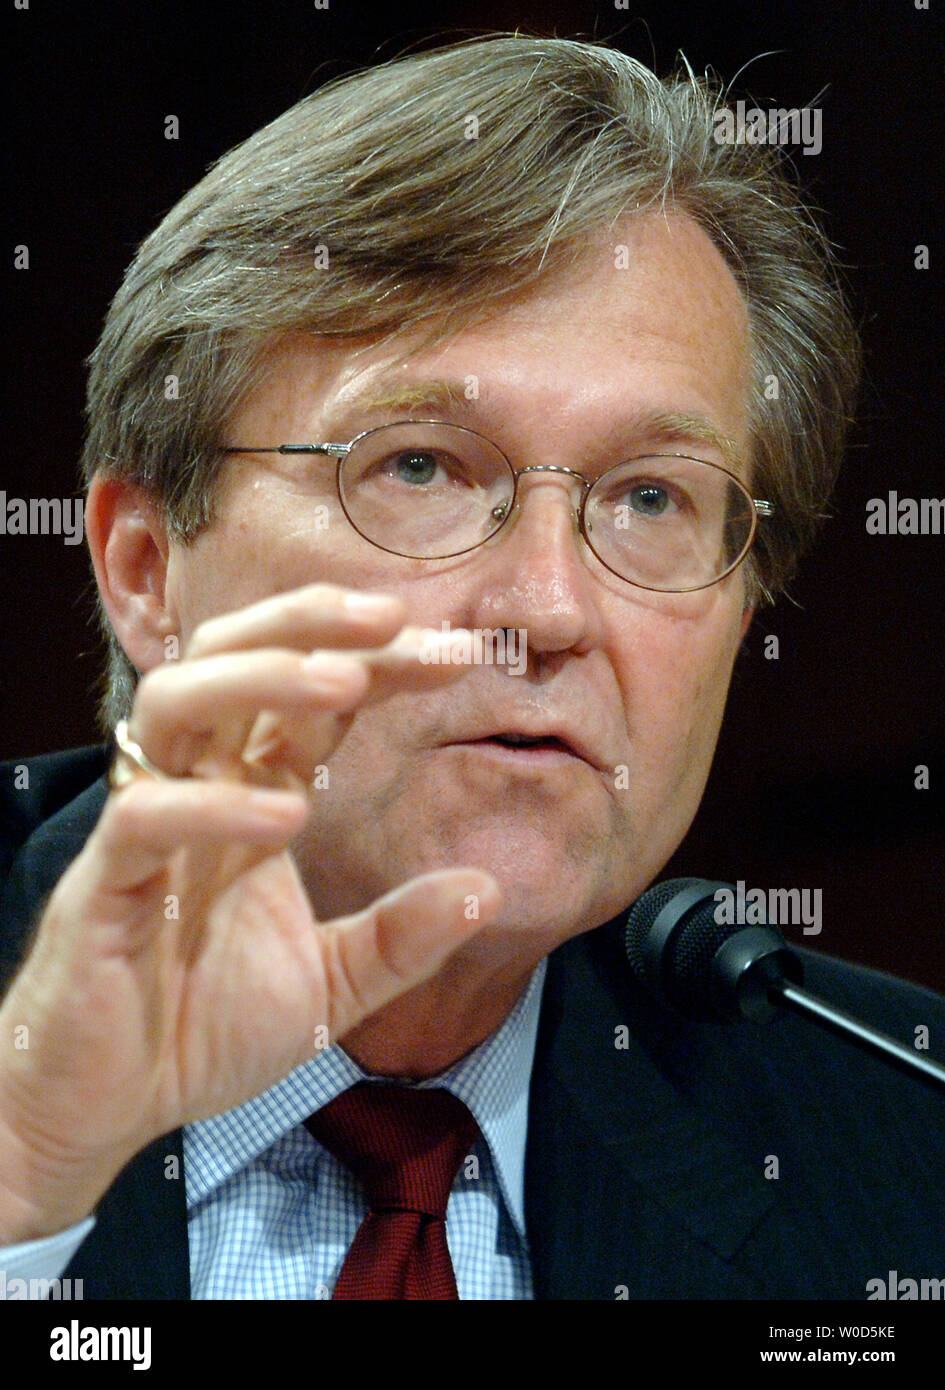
{"x":567,"y":376}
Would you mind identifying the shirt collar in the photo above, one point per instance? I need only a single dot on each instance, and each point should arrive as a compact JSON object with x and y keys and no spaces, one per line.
{"x":493,"y":1081}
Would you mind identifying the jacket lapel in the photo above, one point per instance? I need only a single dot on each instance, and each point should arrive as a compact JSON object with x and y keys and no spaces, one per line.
{"x":138,"y":1247}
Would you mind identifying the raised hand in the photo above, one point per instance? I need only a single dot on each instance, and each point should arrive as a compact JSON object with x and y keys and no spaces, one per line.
{"x":178,"y":968}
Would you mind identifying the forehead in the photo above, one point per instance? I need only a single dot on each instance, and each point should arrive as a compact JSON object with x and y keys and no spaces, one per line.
{"x":648,"y":321}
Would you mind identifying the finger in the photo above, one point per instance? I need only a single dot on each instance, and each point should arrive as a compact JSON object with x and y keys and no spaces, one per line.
{"x":421,"y":657}
{"x":318,"y":615}
{"x":290,"y":743}
{"x":204,"y":710}
{"x":197,"y":716}
{"x":402,"y":939}
{"x":147,"y":821}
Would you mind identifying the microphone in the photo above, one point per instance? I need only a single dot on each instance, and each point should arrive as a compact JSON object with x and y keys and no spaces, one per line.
{"x":714,"y":972}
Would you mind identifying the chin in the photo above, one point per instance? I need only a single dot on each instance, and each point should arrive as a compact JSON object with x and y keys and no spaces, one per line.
{"x":547,"y":894}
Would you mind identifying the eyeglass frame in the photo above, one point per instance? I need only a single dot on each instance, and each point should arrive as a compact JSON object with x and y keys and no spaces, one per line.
{"x":761,"y":509}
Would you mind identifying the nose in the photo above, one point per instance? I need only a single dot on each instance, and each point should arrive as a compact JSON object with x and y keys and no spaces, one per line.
{"x":552,"y":486}
{"x":539,"y":580}
{"x":554,"y":468}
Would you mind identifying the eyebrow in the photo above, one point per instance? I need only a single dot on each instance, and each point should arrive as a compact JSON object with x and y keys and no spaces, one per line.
{"x":674,"y":427}
{"x":420,"y":395}
{"x":669,"y":427}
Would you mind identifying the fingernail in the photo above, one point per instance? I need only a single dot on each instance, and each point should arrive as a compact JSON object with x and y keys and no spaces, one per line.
{"x":427,"y":643}
{"x":369,"y":605}
{"x":330,"y":668}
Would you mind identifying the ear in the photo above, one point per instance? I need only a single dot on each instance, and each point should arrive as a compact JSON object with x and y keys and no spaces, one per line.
{"x":129,"y":546}
{"x":747,"y":615}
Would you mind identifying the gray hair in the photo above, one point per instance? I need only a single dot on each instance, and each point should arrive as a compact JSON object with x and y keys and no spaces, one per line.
{"x":422,"y":225}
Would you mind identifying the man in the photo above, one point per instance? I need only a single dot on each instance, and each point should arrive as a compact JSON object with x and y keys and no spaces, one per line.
{"x":510,"y":305}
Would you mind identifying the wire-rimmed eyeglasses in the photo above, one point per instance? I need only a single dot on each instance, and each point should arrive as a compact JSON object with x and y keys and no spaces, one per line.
{"x":428,"y":490}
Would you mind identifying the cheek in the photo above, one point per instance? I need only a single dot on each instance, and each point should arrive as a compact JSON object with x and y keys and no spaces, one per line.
{"x":205,"y":582}
{"x":247,"y":555}
{"x":269,"y":539}
{"x":675,"y":699}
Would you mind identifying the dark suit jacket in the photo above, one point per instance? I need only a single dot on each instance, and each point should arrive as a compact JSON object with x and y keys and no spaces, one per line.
{"x":649,"y":1168}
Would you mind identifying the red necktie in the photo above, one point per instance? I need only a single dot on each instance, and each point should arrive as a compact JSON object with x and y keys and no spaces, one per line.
{"x":405,"y":1145}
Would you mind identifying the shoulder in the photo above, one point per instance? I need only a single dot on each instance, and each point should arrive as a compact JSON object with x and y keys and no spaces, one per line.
{"x":33,"y":789}
{"x":590,"y":979}
{"x":48,"y":807}
{"x":788,"y":1086}
{"x":778,"y":1159}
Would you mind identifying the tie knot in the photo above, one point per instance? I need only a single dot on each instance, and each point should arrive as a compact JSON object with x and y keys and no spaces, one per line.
{"x":405,"y":1145}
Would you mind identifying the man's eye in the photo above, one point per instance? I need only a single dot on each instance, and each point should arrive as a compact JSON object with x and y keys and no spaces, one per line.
{"x":414,"y":466}
{"x":650,"y":499}
{"x":422,"y":467}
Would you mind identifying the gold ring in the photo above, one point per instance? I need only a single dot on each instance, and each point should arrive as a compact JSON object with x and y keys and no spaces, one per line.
{"x":130,"y":760}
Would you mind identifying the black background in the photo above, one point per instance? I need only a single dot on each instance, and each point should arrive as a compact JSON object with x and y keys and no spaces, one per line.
{"x":814,"y":781}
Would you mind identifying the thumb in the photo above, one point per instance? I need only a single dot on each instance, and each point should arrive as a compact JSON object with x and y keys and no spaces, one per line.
{"x":402,"y":940}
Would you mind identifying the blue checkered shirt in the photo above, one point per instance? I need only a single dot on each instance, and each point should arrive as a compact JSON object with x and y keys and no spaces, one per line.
{"x":272,"y":1214}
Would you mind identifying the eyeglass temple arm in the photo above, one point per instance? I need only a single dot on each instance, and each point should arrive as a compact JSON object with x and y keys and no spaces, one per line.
{"x":335,"y":450}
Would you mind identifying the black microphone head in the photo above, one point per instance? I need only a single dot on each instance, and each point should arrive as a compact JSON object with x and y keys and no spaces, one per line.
{"x":644,"y":913}
{"x":674,"y":947}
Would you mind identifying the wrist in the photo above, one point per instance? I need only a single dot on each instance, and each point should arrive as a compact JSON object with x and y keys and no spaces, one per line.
{"x":45,"y":1188}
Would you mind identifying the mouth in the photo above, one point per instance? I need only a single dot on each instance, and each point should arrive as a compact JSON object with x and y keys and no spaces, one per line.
{"x":528,"y":741}
{"x":524,"y":748}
